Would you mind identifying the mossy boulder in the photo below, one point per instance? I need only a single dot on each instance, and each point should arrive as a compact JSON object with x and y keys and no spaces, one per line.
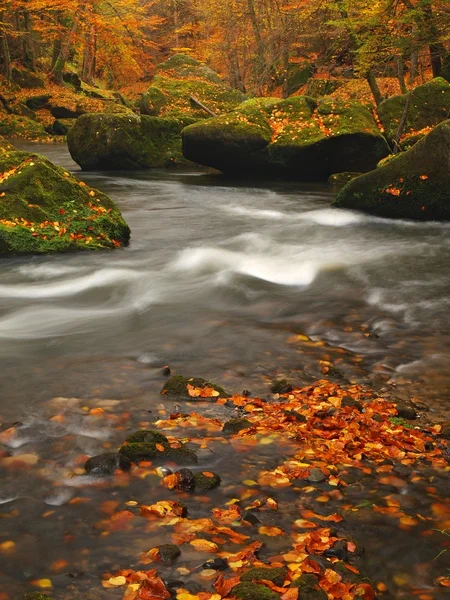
{"x":308,"y":585}
{"x":429,"y":106}
{"x":182,"y":78}
{"x":299,"y":138}
{"x":152,"y":445}
{"x":253,"y":591}
{"x":26,"y":79}
{"x":236,"y":425}
{"x":317,"y":88}
{"x":62,"y":126}
{"x":176,"y":388}
{"x":20,"y":126}
{"x":413,"y":185}
{"x":43,"y":209}
{"x":298,"y":74}
{"x":35,"y":596}
{"x":276,"y":575}
{"x":108,"y":141}
{"x":38,"y":102}
{"x":340,"y":179}
{"x":168,"y":552}
{"x":205,"y":483}
{"x":107,"y":464}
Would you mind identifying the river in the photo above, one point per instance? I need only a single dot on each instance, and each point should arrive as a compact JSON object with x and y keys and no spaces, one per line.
{"x":239,"y":282}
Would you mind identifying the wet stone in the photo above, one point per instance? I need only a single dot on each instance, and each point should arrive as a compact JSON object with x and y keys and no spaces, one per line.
{"x":445,"y":431}
{"x":275,"y":575}
{"x":176,"y":389}
{"x":339,"y":550}
{"x":316,"y":476}
{"x":169,"y":552}
{"x":218,"y":564}
{"x":250,"y":517}
{"x":236,"y":425}
{"x":107,"y":464}
{"x":309,"y":589}
{"x":405,"y":411}
{"x":282,"y":386}
{"x":35,"y":596}
{"x":349,"y":401}
{"x":204,"y":483}
{"x":253,"y":591}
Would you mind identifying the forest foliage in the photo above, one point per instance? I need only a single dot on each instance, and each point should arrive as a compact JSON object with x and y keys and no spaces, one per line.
{"x":258,"y":46}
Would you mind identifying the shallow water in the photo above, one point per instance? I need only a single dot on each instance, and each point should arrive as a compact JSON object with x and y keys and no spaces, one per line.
{"x":222,"y":279}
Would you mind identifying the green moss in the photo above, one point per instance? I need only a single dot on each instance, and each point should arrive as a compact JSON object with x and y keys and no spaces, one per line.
{"x":429,"y":106}
{"x":413,"y":185}
{"x":316,"y":88}
{"x":105,"y":141}
{"x":276,"y":575}
{"x":18,"y":126}
{"x":147,"y":435}
{"x":295,"y":137}
{"x":149,"y":450}
{"x":282,"y":386}
{"x":5,"y":146}
{"x":36,"y":596}
{"x":298,"y":75}
{"x":253,"y":591}
{"x":176,"y":388}
{"x":183,"y":65}
{"x":236,"y":425}
{"x":202,"y":483}
{"x":45,"y":209}
{"x":349,"y":576}
{"x":308,"y":585}
{"x":169,"y":552}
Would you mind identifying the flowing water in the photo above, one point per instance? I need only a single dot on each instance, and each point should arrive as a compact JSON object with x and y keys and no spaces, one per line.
{"x":239,"y":282}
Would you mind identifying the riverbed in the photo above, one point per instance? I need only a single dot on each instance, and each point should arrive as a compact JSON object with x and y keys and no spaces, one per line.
{"x":240,"y":282}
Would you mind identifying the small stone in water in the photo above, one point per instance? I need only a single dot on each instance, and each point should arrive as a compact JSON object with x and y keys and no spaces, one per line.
{"x":218,"y":564}
{"x":250,"y":518}
{"x":107,"y":464}
{"x":166,"y":370}
{"x":316,"y":476}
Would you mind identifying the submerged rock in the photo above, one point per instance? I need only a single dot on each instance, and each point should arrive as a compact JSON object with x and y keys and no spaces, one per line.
{"x":153,"y":445}
{"x":168,"y":552}
{"x":107,"y":464}
{"x":236,"y":425}
{"x":413,"y":185}
{"x":43,"y":209}
{"x":206,"y":481}
{"x":176,"y":388}
{"x":429,"y":105}
{"x":124,"y":142}
{"x":298,"y":137}
{"x":182,"y":78}
{"x":282,"y":386}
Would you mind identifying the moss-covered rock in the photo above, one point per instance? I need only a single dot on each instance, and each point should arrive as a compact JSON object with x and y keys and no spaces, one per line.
{"x":445,"y":431}
{"x":308,"y":585}
{"x":281,"y":386}
{"x":206,"y":482}
{"x":317,"y":88}
{"x":276,"y":575}
{"x":340,"y":179}
{"x":5,"y":146}
{"x":236,"y":425}
{"x":168,"y":552}
{"x":176,"y":388}
{"x":178,"y":80}
{"x":36,"y":596}
{"x":108,"y":141}
{"x":429,"y":106}
{"x":20,"y":126}
{"x":26,"y":79}
{"x":253,"y":591}
{"x":43,"y":208}
{"x":297,"y":137}
{"x":298,"y":74}
{"x":139,"y":451}
{"x":38,"y":102}
{"x":62,"y":126}
{"x":147,"y":435}
{"x":413,"y":185}
{"x":107,"y":464}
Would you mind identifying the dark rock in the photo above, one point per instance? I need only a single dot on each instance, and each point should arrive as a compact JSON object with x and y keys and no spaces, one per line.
{"x":405,"y":411}
{"x":413,"y":185}
{"x":253,"y":591}
{"x":169,"y":552}
{"x":347,"y":575}
{"x":218,"y":564}
{"x":72,"y":79}
{"x":62,"y":126}
{"x":349,"y":401}
{"x":445,"y":431}
{"x":187,"y":481}
{"x":107,"y":464}
{"x":141,"y":451}
{"x":147,"y":435}
{"x":26,"y":79}
{"x":63,"y":112}
{"x":205,"y":483}
{"x":166,"y":371}
{"x":35,"y":596}
{"x":339,"y":550}
{"x":250,"y":517}
{"x":176,"y":388}
{"x":316,"y":476}
{"x":282,"y":386}
{"x":275,"y":575}
{"x":25,"y":111}
{"x":236,"y":425}
{"x":38,"y":102}
{"x":308,"y":585}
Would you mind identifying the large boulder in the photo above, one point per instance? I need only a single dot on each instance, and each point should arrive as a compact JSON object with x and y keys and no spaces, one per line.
{"x":298,"y":137}
{"x":413,"y":185}
{"x":26,"y":79}
{"x":45,"y":209}
{"x":107,"y":141}
{"x":179,"y":82}
{"x":429,"y":105}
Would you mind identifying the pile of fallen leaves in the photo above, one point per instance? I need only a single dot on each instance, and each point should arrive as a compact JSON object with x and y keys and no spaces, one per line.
{"x":330,"y":431}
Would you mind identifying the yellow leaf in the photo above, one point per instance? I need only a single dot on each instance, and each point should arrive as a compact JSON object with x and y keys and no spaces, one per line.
{"x":120,"y":580}
{"x":42,"y":583}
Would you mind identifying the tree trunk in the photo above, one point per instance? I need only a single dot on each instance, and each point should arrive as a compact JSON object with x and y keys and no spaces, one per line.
{"x":60,"y":63}
{"x":5,"y":57}
{"x":401,"y":75}
{"x":374,"y":87}
{"x":57,"y":46}
{"x":27,"y":42}
{"x":260,"y":62}
{"x":90,"y":56}
{"x":285,"y":87}
{"x":236,"y":80}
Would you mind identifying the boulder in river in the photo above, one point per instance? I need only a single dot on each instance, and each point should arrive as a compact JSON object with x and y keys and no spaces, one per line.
{"x":429,"y":105}
{"x":253,"y":591}
{"x":179,"y":83}
{"x":182,"y":388}
{"x":43,"y":208}
{"x":152,"y":445}
{"x":298,"y":138}
{"x":413,"y":185}
{"x":107,"y":464}
{"x":125,"y":142}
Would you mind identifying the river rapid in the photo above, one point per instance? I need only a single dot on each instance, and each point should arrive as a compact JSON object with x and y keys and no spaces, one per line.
{"x":241,"y":282}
